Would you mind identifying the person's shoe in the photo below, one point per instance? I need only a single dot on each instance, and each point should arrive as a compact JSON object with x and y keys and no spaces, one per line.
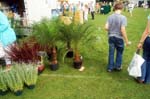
{"x":139,"y":81}
{"x":109,"y":70}
{"x":118,"y":69}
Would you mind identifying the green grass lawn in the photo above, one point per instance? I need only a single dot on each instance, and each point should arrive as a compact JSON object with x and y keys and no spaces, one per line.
{"x":94,"y":82}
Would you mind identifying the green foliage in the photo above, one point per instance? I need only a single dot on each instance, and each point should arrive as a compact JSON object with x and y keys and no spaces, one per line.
{"x":75,"y":32}
{"x":82,"y":33}
{"x":95,"y":82}
{"x":18,"y":67}
{"x":46,"y":31}
{"x":30,"y":73}
{"x":66,"y":33}
{"x":3,"y":85}
{"x":14,"y":80}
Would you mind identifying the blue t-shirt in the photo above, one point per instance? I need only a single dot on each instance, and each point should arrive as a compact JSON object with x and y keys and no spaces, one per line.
{"x":115,"y":22}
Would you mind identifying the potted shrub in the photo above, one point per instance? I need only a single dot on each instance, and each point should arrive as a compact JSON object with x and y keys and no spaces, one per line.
{"x":30,"y":75}
{"x":14,"y":81}
{"x":65,"y":34}
{"x":25,"y":51}
{"x":3,"y":85}
{"x":28,"y":50}
{"x":81,"y":33}
{"x":46,"y":33}
{"x":75,"y":33}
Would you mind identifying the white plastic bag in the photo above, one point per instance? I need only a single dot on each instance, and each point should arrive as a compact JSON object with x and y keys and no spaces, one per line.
{"x":2,"y":52}
{"x":134,"y":68}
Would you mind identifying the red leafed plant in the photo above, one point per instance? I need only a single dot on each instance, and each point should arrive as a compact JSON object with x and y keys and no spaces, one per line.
{"x":26,"y":51}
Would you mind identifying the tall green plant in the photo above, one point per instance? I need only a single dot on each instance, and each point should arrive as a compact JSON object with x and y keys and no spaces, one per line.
{"x":14,"y":80}
{"x":30,"y":74}
{"x":46,"y":33}
{"x":66,"y":33}
{"x":76,"y":34}
{"x":81,"y":35}
{"x":3,"y":85}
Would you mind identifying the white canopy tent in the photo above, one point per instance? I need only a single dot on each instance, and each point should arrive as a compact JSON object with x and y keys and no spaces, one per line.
{"x":35,"y":10}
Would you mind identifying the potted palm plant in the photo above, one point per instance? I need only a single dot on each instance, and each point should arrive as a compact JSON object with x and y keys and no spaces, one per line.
{"x":3,"y":85}
{"x":65,"y":34}
{"x":81,"y":33}
{"x":46,"y":33}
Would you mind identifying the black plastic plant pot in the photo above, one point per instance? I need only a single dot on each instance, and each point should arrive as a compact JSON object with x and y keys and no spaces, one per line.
{"x":31,"y":86}
{"x":77,"y":65}
{"x":69,"y":54}
{"x":18,"y":93}
{"x":2,"y":93}
{"x":54,"y":67}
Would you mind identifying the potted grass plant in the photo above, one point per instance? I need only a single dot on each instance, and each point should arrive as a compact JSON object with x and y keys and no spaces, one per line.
{"x":30,"y":75}
{"x":46,"y":33}
{"x":3,"y":85}
{"x":14,"y":81}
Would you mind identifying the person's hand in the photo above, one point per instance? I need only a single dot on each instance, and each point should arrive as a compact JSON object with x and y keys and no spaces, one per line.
{"x":139,"y":46}
{"x":128,"y":43}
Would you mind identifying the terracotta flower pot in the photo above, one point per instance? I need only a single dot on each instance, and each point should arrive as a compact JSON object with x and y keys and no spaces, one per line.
{"x":40,"y":69}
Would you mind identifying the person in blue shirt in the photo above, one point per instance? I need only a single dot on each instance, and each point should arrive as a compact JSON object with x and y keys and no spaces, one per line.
{"x":7,"y":36}
{"x":116,"y":27}
{"x":145,"y":44}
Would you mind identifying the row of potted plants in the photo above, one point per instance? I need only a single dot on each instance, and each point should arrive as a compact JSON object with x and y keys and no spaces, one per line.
{"x":70,"y":35}
{"x":16,"y":77}
{"x":51,"y":35}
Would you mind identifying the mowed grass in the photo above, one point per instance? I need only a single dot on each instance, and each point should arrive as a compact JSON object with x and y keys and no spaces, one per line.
{"x":94,"y":82}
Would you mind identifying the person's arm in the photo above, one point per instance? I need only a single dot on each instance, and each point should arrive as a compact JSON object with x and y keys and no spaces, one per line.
{"x":144,"y":35}
{"x":106,"y":26}
{"x":124,"y":34}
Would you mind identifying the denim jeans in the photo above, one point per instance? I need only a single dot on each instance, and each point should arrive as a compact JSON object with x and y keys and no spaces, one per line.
{"x":146,"y":65}
{"x":115,"y":44}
